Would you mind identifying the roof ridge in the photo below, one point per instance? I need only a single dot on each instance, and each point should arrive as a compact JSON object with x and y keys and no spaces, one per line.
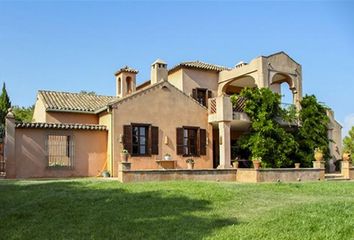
{"x":75,"y":93}
{"x":78,"y":126}
{"x":138,"y":93}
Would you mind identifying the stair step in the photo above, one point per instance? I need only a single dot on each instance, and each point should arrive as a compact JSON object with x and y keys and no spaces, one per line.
{"x":337,"y":179}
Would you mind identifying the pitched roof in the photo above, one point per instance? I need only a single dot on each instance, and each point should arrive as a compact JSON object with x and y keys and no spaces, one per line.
{"x":68,"y":126}
{"x":75,"y":102}
{"x":141,"y":92}
{"x":199,"y":65}
{"x":126,"y":69}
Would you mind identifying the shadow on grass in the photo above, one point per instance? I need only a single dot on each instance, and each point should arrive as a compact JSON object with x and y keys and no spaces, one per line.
{"x":77,"y":210}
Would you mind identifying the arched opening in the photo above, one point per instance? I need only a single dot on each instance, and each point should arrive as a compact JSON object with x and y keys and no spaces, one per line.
{"x":119,"y":85}
{"x":238,"y":84}
{"x":129,"y":84}
{"x":283,"y":84}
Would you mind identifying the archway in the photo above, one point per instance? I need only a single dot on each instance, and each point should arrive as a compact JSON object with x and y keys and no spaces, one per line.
{"x":284,"y":85}
{"x":129,"y":84}
{"x":236,"y":85}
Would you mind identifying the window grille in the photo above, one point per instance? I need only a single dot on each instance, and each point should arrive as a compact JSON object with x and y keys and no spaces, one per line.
{"x":60,"y":150}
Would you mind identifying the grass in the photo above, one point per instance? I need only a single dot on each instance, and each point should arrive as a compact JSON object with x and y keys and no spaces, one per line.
{"x":99,"y":209}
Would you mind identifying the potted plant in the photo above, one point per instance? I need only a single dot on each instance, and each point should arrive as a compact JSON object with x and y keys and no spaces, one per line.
{"x":346,"y":156}
{"x":106,"y":174}
{"x":256,"y":162}
{"x":167,"y":157}
{"x":190,"y":163}
{"x":124,"y":155}
{"x":318,"y":154}
{"x":297,"y":165}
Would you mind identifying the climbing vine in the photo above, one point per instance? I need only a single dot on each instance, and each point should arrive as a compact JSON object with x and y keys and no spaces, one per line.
{"x":267,"y":139}
{"x":281,"y":145}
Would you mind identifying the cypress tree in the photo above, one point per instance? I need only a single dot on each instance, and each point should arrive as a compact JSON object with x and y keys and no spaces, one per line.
{"x":5,"y":104}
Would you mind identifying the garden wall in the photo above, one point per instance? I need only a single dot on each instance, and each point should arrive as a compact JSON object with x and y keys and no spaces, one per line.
{"x":226,"y":175}
{"x":279,"y":174}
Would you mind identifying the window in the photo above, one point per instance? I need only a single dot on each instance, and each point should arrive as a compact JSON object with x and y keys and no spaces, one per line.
{"x":119,"y":86}
{"x":201,"y":95}
{"x":191,"y":141}
{"x":129,"y":84}
{"x":60,"y":151}
{"x":140,"y":140}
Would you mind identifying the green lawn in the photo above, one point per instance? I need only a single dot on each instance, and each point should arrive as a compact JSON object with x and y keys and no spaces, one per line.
{"x":100,"y":209}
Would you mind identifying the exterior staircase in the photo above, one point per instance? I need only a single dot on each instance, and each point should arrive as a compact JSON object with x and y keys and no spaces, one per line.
{"x":335,"y":177}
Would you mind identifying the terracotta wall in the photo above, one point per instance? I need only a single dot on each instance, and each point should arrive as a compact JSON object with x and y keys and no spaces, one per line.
{"x":279,"y":174}
{"x":65,"y":117}
{"x":200,"y":79}
{"x":225,"y":175}
{"x":166,"y":108}
{"x":90,"y":150}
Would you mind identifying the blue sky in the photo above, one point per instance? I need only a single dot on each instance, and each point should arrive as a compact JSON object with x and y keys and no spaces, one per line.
{"x":73,"y":46}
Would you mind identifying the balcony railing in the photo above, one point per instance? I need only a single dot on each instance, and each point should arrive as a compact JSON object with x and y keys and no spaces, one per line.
{"x":239,"y":106}
{"x":212,"y":105}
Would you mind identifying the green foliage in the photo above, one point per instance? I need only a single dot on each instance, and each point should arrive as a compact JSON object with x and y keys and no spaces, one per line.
{"x":313,"y":130}
{"x":5,"y":104}
{"x":87,"y":92}
{"x":23,"y":114}
{"x":348,"y":141}
{"x":267,"y":139}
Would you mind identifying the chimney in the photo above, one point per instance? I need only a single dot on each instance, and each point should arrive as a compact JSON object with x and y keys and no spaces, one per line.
{"x":158,"y":71}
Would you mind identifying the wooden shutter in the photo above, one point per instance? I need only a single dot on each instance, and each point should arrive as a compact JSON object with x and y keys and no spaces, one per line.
{"x":208,"y":95}
{"x":179,"y":141}
{"x":202,"y":142}
{"x":194,"y":93}
{"x":154,"y":140}
{"x":127,"y":135}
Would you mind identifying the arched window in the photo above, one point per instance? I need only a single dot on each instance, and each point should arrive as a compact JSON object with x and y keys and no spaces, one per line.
{"x":129,"y":84}
{"x":119,"y":85}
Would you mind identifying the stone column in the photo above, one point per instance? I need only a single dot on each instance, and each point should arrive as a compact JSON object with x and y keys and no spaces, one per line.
{"x":320,"y":165}
{"x":224,"y":148}
{"x":123,"y":166}
{"x":9,"y":145}
{"x":346,"y":167}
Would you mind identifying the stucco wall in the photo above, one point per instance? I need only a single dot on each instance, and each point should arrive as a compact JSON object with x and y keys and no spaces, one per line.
{"x":105,"y":119}
{"x":66,"y":117}
{"x":166,"y":108}
{"x":176,"y":79}
{"x":279,"y":174}
{"x":200,"y":79}
{"x":39,"y":114}
{"x":90,"y":148}
{"x":228,"y":175}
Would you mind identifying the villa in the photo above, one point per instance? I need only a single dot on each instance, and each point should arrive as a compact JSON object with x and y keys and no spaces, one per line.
{"x":182,"y":112}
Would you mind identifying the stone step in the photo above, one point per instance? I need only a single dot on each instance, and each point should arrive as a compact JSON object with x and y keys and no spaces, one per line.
{"x":333,"y":175}
{"x":337,"y":179}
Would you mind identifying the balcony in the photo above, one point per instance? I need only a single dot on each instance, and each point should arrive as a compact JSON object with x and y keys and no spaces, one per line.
{"x":220,"y":109}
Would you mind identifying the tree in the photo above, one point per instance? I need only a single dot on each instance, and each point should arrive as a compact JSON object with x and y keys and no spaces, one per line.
{"x":266,"y":139}
{"x":5,"y":104}
{"x":87,"y":92}
{"x":313,"y":130}
{"x":348,"y":141}
{"x":23,"y":114}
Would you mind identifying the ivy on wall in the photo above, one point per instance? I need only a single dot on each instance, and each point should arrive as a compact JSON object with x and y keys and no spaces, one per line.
{"x":282,"y":145}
